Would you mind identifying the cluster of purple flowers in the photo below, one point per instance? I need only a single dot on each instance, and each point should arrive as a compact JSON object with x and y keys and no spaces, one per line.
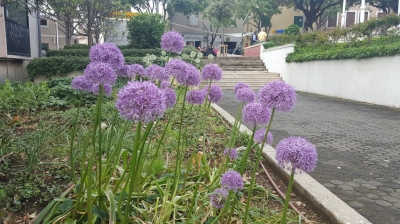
{"x":246,"y":95}
{"x":130,"y":71}
{"x":94,"y":75}
{"x":260,"y":135}
{"x":278,"y":95}
{"x":240,"y":85}
{"x":232,"y":153}
{"x":172,"y":41}
{"x":230,"y":181}
{"x":296,"y":154}
{"x":196,"y":96}
{"x":178,"y":69}
{"x":214,"y":93}
{"x":107,"y":53}
{"x":255,"y":113}
{"x":211,"y":72}
{"x":141,"y":102}
{"x":170,"y":97}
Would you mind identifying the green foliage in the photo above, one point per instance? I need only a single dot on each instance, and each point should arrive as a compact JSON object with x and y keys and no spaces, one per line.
{"x":258,"y":9}
{"x":145,"y":30}
{"x":76,"y":46}
{"x":362,"y":49}
{"x":51,"y":66}
{"x":127,"y":52}
{"x":292,"y":30}
{"x":20,"y":98}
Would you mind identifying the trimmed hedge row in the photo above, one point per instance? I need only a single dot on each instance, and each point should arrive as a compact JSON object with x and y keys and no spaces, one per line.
{"x":85,"y":52}
{"x":367,"y":51}
{"x":52,"y":66}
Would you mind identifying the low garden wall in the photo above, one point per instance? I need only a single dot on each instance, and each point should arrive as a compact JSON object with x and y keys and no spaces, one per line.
{"x":374,"y":80}
{"x":254,"y":51}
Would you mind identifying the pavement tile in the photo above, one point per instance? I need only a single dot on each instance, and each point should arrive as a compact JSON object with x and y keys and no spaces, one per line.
{"x":357,"y":143}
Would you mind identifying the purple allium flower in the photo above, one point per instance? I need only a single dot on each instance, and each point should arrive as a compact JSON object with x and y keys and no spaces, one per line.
{"x":164,"y":84}
{"x":256,"y":114}
{"x":215,"y":93}
{"x":260,"y":134}
{"x":159,"y":73}
{"x":107,"y":53}
{"x":124,"y":71}
{"x":80,"y":83}
{"x":178,"y":69}
{"x":233,"y":154}
{"x":170,"y":97}
{"x":141,"y":101}
{"x":246,"y":95}
{"x":296,"y":154}
{"x":196,"y":96}
{"x":193,"y":78}
{"x":172,"y":41}
{"x":240,"y":85}
{"x":212,"y":71}
{"x":232,"y":180}
{"x":100,"y":73}
{"x":136,"y":69}
{"x":278,"y":94}
{"x":218,"y":197}
{"x":107,"y":89}
{"x":148,"y":72}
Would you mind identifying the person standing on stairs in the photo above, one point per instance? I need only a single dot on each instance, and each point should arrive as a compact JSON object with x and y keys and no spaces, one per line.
{"x":254,"y":38}
{"x":262,"y":36}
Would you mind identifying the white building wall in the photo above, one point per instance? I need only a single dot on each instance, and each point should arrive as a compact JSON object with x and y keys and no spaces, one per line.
{"x":373,"y":80}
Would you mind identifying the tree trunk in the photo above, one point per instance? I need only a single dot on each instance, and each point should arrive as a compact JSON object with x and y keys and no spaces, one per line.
{"x":68,"y":32}
{"x":89,"y":24}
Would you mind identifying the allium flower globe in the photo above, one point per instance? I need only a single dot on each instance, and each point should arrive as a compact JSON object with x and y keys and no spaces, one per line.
{"x":148,"y":71}
{"x":255,"y":114}
{"x":296,"y":154}
{"x":211,"y":71}
{"x":80,"y":83}
{"x":193,"y":78}
{"x":218,"y":198}
{"x":159,"y":73}
{"x":136,"y":69}
{"x":215,"y":93}
{"x":170,"y":97}
{"x":279,"y":95}
{"x":246,"y":95}
{"x":141,"y":102}
{"x":260,"y":134}
{"x":178,"y":69}
{"x":233,"y":154}
{"x":240,"y":85}
{"x":107,"y":53}
{"x":164,"y":84}
{"x":100,"y":73}
{"x":172,"y":41}
{"x":232,"y":180}
{"x":124,"y":71}
{"x":196,"y":96}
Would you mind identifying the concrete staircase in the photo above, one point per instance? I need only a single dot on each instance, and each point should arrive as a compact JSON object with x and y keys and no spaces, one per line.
{"x":243,"y":69}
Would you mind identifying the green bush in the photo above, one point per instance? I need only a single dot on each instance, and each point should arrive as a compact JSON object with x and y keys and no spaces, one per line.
{"x":292,"y":30}
{"x":76,"y":46}
{"x":127,"y":52}
{"x":51,"y":66}
{"x":283,"y":39}
{"x":269,"y":45}
{"x":145,"y":30}
{"x":18,"y":98}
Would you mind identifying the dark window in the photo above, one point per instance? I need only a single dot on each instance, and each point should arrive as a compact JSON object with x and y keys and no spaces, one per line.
{"x":332,"y":21}
{"x":365,"y":16}
{"x":381,"y":14}
{"x":350,"y":19}
{"x":298,"y":20}
{"x":17,"y":12}
{"x":43,"y":22}
{"x":45,"y":46}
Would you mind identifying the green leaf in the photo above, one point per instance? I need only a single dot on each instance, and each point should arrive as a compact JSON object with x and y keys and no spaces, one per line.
{"x":65,"y":206}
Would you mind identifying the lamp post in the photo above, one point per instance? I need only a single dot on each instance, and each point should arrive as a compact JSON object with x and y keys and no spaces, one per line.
{"x":343,"y":20}
{"x":362,"y":8}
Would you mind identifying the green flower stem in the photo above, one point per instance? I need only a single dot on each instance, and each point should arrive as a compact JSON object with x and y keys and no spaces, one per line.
{"x":178,"y":150}
{"x":99,"y":162}
{"x":289,"y":190}
{"x":133,"y":173}
{"x":155,"y":156}
{"x":240,"y":167}
{"x":71,"y":150}
{"x":192,"y":203}
{"x":236,"y":126}
{"x":224,"y":209}
{"x":253,"y":173}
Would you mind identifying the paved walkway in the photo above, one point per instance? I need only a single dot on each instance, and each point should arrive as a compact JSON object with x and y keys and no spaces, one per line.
{"x":358,"y":148}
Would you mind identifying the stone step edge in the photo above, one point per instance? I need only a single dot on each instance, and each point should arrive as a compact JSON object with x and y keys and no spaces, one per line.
{"x":322,"y":200}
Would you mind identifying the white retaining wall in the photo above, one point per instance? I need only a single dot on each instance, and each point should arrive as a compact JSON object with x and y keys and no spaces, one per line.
{"x":374,"y":80}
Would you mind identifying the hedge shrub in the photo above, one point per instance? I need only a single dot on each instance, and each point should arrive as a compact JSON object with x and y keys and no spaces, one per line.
{"x":85,"y":52}
{"x":76,"y":46}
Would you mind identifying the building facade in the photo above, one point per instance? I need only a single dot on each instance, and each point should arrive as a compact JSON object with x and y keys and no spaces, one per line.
{"x":53,"y":34}
{"x":18,"y":41}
